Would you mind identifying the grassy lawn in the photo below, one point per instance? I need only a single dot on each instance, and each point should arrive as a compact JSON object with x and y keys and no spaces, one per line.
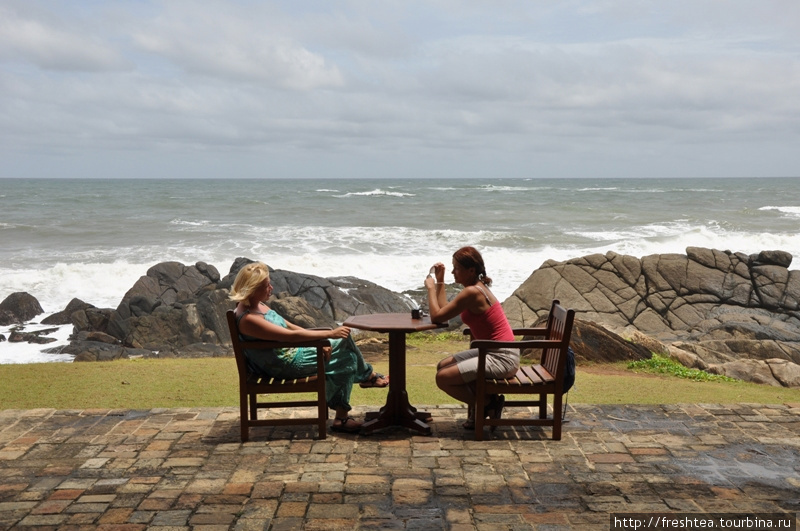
{"x":145,"y":384}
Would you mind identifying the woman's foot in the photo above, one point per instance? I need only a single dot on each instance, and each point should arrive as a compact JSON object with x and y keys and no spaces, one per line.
{"x":469,"y":424}
{"x":492,"y":410}
{"x":346,"y":425}
{"x":495,"y":409}
{"x":376,"y":380}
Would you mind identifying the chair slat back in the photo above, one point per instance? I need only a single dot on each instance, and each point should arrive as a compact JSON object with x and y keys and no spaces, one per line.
{"x":559,"y":329}
{"x":238,"y":351}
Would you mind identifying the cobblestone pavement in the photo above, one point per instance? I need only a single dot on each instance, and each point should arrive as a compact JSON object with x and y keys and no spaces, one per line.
{"x":186,"y":468}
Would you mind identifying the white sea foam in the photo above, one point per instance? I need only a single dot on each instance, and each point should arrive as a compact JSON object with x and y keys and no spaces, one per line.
{"x":377,"y":192}
{"x":31,"y":352}
{"x":792,"y":211}
{"x":101,"y":285}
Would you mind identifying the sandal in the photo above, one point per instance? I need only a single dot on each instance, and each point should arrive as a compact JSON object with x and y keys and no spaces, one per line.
{"x":373,"y":382}
{"x":344,"y":427}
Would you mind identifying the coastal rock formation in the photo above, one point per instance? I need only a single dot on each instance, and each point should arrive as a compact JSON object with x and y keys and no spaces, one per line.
{"x":179,"y":310}
{"x":65,"y":316}
{"x":592,"y":342}
{"x":718,"y":306}
{"x":19,"y":308}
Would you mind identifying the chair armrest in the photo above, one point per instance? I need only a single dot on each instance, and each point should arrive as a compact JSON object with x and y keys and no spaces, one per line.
{"x":518,"y":331}
{"x":284,"y":344}
{"x":485,"y":344}
{"x":530,"y":331}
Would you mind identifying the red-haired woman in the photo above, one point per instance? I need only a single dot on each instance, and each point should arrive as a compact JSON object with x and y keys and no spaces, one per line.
{"x":481,"y":312}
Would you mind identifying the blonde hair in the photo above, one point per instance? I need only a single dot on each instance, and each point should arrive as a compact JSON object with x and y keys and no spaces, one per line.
{"x":248,"y":280}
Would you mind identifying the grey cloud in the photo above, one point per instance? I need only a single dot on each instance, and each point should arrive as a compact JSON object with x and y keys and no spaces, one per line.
{"x":373,"y":80}
{"x":50,"y":45}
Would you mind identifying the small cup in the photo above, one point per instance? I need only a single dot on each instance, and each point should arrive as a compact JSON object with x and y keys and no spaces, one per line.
{"x":416,"y":313}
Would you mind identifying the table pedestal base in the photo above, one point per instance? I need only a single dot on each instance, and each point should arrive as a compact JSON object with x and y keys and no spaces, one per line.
{"x":397,"y":412}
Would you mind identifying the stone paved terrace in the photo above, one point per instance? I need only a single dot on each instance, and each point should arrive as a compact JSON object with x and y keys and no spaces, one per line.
{"x":186,"y":468}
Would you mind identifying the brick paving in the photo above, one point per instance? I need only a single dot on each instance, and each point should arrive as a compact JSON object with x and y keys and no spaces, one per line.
{"x":174,"y":469}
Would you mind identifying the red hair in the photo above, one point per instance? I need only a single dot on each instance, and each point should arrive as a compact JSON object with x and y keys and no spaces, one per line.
{"x":470,"y":258}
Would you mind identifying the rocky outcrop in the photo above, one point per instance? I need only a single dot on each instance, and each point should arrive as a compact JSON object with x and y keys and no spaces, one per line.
{"x":18,"y":308}
{"x":65,"y":316}
{"x":718,"y":306}
{"x":592,"y":342}
{"x":179,"y":310}
{"x":332,"y":299}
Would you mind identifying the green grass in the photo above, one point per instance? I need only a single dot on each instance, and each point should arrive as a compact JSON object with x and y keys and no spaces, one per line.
{"x":210,"y":382}
{"x":662,"y":365}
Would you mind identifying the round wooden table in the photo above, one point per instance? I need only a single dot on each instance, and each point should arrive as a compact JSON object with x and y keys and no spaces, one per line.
{"x":397,"y":411}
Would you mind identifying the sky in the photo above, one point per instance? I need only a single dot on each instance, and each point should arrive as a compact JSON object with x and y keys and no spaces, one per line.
{"x":399,"y":88}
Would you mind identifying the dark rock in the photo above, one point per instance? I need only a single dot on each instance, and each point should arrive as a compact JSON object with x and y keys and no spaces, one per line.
{"x":99,"y":337}
{"x":19,"y":307}
{"x":592,"y":342}
{"x":30,"y":337}
{"x":7,"y":318}
{"x":91,"y":319}
{"x":99,"y":351}
{"x":211,"y":308}
{"x":167,"y":283}
{"x":203,"y":350}
{"x":65,"y":316}
{"x":300,"y":312}
{"x":778,"y":258}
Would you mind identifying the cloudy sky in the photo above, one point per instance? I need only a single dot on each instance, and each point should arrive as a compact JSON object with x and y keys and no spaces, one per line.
{"x":436,"y":89}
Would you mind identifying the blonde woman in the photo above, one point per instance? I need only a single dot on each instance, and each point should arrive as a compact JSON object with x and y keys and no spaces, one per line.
{"x":344,"y":363}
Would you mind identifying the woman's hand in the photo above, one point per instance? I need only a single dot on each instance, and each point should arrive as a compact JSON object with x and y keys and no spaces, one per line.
{"x":438,"y":271}
{"x":430,"y":282}
{"x":326,"y":353}
{"x":340,"y":332}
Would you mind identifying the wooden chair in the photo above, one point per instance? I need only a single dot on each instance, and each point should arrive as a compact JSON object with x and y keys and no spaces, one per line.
{"x":250,"y":386}
{"x":543,"y":378}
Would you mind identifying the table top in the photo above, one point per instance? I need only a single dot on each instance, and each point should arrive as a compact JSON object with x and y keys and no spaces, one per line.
{"x":391,"y":322}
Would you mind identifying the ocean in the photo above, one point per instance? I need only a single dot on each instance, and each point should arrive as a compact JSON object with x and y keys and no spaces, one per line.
{"x":93,"y":238}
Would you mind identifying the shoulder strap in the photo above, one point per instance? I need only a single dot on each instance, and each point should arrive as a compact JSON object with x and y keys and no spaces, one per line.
{"x":484,"y":294}
{"x":239,"y":317}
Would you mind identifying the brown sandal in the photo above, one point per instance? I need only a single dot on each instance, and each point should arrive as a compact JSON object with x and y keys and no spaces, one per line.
{"x":373,"y":382}
{"x":343,"y":427}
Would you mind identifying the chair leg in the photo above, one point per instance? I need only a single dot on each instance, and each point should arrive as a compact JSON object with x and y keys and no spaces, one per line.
{"x":243,"y":418}
{"x":542,"y":405}
{"x":253,"y":406}
{"x":480,"y":403}
{"x":557,"y":398}
{"x":322,"y":413}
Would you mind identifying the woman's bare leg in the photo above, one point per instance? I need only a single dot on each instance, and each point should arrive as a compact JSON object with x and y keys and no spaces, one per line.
{"x":450,"y":381}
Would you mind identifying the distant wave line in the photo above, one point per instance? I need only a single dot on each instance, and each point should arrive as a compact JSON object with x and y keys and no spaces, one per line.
{"x":376,"y":193}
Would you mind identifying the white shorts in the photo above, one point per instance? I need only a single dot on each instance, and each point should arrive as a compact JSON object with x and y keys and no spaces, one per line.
{"x":500,"y":363}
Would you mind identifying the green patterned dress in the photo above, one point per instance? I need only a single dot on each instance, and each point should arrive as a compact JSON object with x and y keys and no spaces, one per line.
{"x":346,"y":366}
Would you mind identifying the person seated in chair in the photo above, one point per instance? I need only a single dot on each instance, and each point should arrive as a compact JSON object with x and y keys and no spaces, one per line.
{"x":344,"y":363}
{"x":481,"y":312}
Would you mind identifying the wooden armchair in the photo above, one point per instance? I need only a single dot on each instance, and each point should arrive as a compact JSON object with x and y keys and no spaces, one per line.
{"x":250,"y":386}
{"x":543,"y":378}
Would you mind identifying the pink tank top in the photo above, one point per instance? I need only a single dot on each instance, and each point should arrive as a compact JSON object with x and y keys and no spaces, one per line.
{"x":491,"y":324}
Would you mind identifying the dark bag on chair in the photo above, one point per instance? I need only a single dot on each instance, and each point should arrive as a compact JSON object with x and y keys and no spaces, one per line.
{"x":569,"y":374}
